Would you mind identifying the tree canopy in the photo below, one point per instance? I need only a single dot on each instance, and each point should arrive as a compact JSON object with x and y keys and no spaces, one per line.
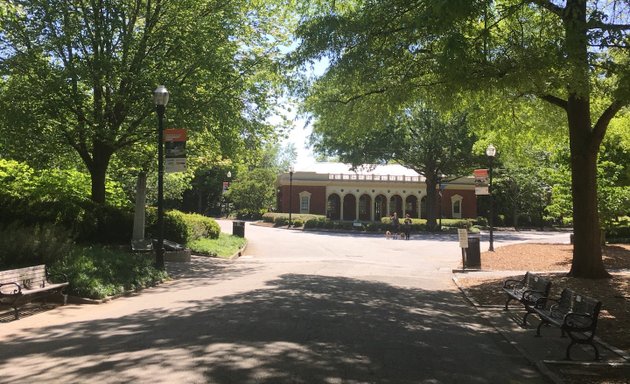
{"x":76,"y":78}
{"x":573,"y":55}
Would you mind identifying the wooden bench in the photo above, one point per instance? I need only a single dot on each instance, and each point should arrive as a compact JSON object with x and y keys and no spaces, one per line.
{"x":531,"y":291}
{"x":20,"y":286}
{"x":575,"y":314}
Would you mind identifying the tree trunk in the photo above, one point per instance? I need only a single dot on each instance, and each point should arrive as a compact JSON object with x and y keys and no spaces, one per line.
{"x":98,"y":170}
{"x":431,"y":182}
{"x":587,"y":252}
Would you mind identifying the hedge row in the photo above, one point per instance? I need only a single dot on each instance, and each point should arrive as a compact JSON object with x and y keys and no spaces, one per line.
{"x":320,"y":221}
{"x":88,"y":222}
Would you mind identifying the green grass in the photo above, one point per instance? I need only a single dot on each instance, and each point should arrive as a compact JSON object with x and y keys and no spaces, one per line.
{"x":225,"y":246}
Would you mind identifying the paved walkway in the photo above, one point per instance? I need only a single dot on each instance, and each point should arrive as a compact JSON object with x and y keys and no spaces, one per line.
{"x":296,"y":308}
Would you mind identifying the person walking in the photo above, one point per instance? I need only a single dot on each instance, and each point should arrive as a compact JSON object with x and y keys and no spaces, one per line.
{"x":407,"y":226}
{"x":395,"y":225}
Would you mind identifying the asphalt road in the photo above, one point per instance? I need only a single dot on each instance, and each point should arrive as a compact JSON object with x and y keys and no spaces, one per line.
{"x":296,"y":308}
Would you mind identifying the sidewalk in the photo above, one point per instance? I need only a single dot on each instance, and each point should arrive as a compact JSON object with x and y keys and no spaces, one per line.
{"x":548,"y":352}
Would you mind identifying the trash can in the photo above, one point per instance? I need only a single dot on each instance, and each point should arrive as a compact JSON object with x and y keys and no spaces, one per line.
{"x":238,"y":228}
{"x":473,"y":254}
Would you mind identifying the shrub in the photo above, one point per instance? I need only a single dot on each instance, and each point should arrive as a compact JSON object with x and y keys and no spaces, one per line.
{"x":104,"y":224}
{"x":482,"y":221}
{"x":175,"y":228}
{"x":200,"y":227}
{"x":22,"y":246}
{"x":98,"y":272}
{"x":316,"y":222}
{"x":620,"y":232}
{"x":182,"y":227}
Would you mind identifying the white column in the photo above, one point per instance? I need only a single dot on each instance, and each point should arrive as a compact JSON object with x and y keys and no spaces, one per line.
{"x":372,"y":205}
{"x":341,"y":207}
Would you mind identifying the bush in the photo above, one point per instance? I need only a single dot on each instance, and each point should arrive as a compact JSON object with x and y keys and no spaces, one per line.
{"x":98,"y":272}
{"x":182,"y":227}
{"x":620,"y":232}
{"x":104,"y":224}
{"x":316,"y":222}
{"x":22,"y":246}
{"x":457,"y":223}
{"x":281,"y":219}
{"x":481,"y":221}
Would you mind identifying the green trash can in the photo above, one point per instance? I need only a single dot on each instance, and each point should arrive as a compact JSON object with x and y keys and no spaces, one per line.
{"x":238,"y":228}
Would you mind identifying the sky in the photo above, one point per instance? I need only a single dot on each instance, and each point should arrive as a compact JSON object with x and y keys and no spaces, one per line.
{"x":299,"y":133}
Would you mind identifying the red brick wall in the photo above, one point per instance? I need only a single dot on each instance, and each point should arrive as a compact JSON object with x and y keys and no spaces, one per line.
{"x":318,"y":199}
{"x":469,"y":203}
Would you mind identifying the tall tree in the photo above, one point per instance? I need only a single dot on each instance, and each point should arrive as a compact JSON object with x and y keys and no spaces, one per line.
{"x":416,"y":137}
{"x":574,"y":55}
{"x":82,"y":73}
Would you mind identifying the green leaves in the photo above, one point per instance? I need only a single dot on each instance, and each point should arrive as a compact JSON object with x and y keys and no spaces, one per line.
{"x":77,"y":78}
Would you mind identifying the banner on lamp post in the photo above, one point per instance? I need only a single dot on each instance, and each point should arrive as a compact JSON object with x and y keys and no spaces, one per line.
{"x":481,"y":181}
{"x":175,"y":149}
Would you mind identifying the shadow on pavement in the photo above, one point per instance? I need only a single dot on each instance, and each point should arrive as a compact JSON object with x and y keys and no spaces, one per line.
{"x":297,"y":329}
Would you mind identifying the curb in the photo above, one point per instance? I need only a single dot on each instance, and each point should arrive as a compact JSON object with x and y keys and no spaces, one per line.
{"x":238,"y":253}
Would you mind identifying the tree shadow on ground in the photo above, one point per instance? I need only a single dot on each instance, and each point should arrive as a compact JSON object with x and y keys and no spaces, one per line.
{"x":296,"y":329}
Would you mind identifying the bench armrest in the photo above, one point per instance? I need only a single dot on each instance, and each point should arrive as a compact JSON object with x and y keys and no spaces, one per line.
{"x":513,"y":284}
{"x":56,"y":277}
{"x":579,"y":321}
{"x":536,"y":297}
{"x":16,"y":290}
{"x":541,"y":301}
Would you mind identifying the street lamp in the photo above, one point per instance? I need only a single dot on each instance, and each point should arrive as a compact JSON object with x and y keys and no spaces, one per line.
{"x":439,"y":182}
{"x":491,"y":152}
{"x":291,"y":170}
{"x":160,"y":97}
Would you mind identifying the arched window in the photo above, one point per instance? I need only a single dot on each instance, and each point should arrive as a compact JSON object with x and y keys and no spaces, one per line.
{"x":305,"y":202}
{"x":380,"y":207}
{"x":411,"y":206}
{"x":396,"y":205}
{"x":333,"y":208}
{"x":365,"y":203}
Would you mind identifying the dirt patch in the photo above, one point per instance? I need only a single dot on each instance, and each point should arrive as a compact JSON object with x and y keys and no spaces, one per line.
{"x":554,"y":261}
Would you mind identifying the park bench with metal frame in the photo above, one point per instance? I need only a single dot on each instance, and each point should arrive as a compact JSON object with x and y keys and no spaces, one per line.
{"x":22,"y":285}
{"x":531,"y":291}
{"x":575,"y":314}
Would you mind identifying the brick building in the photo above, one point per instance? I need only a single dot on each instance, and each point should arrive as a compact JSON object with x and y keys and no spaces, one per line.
{"x":369,"y":193}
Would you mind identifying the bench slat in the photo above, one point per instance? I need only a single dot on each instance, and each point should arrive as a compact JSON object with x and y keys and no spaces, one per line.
{"x":18,"y":285}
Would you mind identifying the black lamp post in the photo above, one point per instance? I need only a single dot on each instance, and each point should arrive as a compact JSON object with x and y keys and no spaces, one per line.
{"x":439,"y":182}
{"x":491,"y":152}
{"x":291,"y":170}
{"x":160,"y":96}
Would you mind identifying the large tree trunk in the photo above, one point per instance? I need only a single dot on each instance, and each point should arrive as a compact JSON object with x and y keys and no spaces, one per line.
{"x":587,"y":252}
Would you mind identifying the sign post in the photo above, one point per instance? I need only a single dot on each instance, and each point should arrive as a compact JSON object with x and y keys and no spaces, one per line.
{"x":462,"y":235}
